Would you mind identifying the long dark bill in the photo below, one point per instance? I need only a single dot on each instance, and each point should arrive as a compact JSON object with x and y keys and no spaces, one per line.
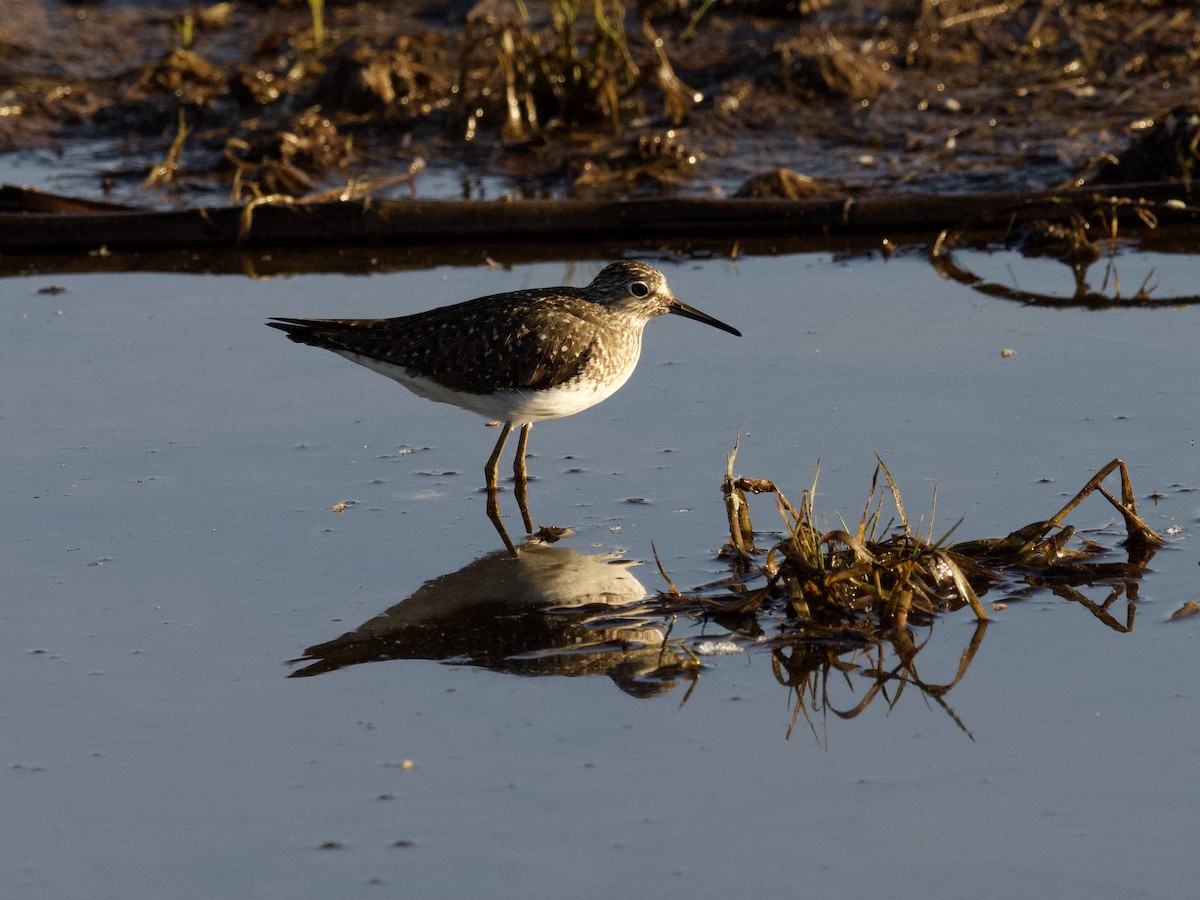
{"x":680,"y":308}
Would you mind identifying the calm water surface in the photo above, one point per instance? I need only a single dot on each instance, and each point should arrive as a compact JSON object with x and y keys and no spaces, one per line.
{"x":170,"y":469}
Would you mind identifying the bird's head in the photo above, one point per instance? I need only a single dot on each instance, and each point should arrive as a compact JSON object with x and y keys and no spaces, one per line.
{"x":640,"y":290}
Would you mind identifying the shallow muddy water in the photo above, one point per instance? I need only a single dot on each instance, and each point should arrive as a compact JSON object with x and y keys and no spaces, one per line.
{"x":171,"y":469}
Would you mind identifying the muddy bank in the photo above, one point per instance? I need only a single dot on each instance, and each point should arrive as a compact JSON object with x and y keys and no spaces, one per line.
{"x":172,"y":104}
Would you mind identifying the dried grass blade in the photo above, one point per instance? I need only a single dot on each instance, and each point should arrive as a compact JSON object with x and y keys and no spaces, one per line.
{"x":866,"y":514}
{"x":895,"y":493}
{"x":1138,"y":531}
{"x":1086,"y":491}
{"x":961,"y":584}
{"x":942,"y":541}
{"x":663,"y":572}
{"x":861,"y":553}
{"x":735,"y":506}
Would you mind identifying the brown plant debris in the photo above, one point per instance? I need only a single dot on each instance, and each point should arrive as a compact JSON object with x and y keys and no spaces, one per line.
{"x":880,"y":575}
{"x":288,"y":161}
{"x":1189,"y":609}
{"x":818,"y":66}
{"x":784,"y":184}
{"x":648,"y":163}
{"x":862,"y":600}
{"x":185,"y":75}
{"x":363,"y":79}
{"x":1166,"y":148}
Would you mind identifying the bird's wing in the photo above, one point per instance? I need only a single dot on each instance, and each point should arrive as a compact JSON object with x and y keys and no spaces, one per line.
{"x":539,"y":343}
{"x":565,"y":342}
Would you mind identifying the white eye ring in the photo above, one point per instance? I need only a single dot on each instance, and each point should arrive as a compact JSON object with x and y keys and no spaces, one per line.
{"x":639,"y":289}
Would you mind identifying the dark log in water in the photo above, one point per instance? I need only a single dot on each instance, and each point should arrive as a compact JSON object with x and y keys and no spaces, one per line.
{"x":31,"y":221}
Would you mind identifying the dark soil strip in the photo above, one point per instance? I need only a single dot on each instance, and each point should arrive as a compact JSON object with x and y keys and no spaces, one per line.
{"x":392,"y":222}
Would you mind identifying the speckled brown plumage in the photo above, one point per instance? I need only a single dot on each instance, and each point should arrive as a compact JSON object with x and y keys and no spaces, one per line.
{"x":527,"y":339}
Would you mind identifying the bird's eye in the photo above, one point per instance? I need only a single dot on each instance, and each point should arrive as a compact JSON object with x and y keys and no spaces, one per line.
{"x":639,"y":289}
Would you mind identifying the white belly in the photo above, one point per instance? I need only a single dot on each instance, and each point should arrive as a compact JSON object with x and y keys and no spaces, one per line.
{"x":516,"y":406}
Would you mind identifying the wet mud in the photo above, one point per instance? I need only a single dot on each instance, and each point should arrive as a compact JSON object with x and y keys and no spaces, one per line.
{"x":185,"y":105}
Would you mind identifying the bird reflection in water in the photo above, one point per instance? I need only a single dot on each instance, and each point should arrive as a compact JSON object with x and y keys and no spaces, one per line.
{"x":545,"y":610}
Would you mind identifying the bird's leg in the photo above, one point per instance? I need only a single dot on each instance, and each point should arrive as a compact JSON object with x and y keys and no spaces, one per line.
{"x":519,"y":472}
{"x":492,"y":472}
{"x":493,"y":511}
{"x":492,"y":469}
{"x":521,"y":478}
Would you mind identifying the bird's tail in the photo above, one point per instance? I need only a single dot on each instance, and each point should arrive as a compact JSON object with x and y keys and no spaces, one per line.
{"x":317,"y":332}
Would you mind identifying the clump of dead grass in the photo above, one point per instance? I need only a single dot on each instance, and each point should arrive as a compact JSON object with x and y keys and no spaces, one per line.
{"x":182,"y":75}
{"x":1164,"y":148}
{"x":576,"y":68}
{"x":816,"y":65}
{"x":287,"y":160}
{"x":882,"y":573}
{"x":859,"y":578}
{"x":864,"y":599}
